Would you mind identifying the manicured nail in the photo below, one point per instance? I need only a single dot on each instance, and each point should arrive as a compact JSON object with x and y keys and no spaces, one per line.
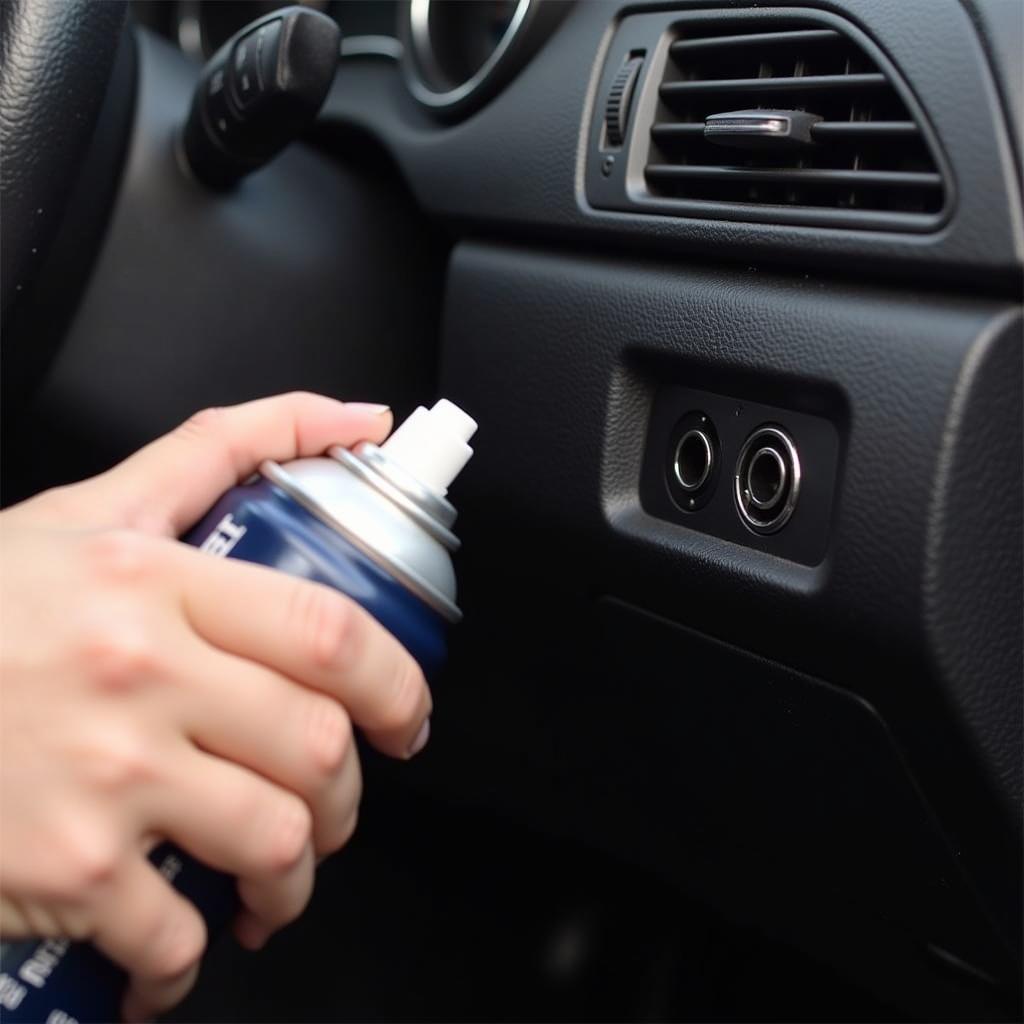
{"x":421,"y":739}
{"x":370,"y":408}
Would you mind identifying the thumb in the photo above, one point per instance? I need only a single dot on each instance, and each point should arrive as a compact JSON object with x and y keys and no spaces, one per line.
{"x":168,"y":485}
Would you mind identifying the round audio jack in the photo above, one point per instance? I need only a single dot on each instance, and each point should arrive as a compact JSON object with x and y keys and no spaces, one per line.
{"x":767,"y":480}
{"x":692,"y":463}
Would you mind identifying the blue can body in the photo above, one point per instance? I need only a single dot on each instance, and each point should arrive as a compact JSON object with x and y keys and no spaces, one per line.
{"x":57,"y":982}
{"x":280,"y":533}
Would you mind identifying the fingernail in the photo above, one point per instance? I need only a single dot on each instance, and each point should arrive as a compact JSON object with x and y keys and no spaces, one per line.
{"x":370,"y":408}
{"x":421,"y":739}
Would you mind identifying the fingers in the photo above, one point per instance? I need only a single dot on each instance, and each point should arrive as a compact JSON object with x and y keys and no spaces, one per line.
{"x":169,"y":484}
{"x":314,"y":635}
{"x":155,"y":934}
{"x":234,"y":820}
{"x":297,"y":738}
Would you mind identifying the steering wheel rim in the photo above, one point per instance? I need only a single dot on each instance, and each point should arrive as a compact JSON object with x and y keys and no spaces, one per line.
{"x":56,"y":58}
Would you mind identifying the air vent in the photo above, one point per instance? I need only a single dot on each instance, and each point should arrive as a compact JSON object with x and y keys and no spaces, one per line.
{"x":857,"y":153}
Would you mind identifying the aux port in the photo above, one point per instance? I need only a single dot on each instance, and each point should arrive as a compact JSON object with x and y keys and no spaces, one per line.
{"x":691,"y":463}
{"x":767,"y":481}
{"x":695,"y":458}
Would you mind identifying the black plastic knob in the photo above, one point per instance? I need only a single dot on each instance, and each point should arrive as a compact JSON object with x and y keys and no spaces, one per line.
{"x":620,"y":99}
{"x":260,"y":90}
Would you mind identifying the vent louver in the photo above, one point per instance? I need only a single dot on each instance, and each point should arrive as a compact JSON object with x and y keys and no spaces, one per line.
{"x":867,"y":156}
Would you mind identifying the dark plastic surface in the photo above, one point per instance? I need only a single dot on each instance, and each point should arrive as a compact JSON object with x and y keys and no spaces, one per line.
{"x":431,"y":74}
{"x":1000,"y":26}
{"x":442,"y":912}
{"x":200,"y":298}
{"x":577,"y":349}
{"x":771,"y":798}
{"x":519,"y":167}
{"x":973,"y":587}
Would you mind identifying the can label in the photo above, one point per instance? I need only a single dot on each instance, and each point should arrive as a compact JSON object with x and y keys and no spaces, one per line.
{"x":225,"y":535}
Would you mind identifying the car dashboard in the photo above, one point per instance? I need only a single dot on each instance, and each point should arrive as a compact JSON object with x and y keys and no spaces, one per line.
{"x":734,"y":292}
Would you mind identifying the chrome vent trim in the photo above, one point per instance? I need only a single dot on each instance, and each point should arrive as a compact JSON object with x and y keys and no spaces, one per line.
{"x":874,"y":162}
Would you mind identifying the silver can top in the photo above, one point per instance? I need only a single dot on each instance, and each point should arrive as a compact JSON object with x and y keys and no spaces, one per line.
{"x":389,"y":502}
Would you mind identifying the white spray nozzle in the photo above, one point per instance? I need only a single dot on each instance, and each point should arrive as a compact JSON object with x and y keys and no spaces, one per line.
{"x":431,"y":444}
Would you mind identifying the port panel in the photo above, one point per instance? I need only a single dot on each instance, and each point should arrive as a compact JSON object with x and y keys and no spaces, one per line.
{"x":804,"y":535}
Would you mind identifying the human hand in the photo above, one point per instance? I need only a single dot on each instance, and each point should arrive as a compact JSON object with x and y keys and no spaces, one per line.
{"x":150,"y":691}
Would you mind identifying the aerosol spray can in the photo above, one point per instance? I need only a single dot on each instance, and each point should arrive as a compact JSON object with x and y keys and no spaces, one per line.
{"x":373,"y":523}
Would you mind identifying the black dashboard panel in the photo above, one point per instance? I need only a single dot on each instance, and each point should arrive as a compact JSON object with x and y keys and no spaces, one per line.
{"x":199,"y":298}
{"x":776,"y":800}
{"x":577,"y":349}
{"x":518,"y":163}
{"x":1000,"y":25}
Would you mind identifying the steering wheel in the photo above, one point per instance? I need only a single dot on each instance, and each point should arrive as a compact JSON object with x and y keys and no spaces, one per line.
{"x":56,"y":58}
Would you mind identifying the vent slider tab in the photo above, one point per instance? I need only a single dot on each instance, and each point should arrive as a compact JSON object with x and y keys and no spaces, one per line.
{"x":761,"y":129}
